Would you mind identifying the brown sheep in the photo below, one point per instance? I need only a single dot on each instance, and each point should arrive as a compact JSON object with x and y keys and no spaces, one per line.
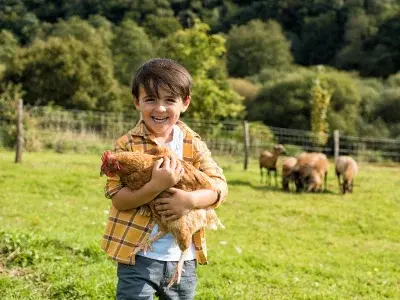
{"x":269,"y":161}
{"x":348,"y":168}
{"x":287,"y":168}
{"x":309,"y":171}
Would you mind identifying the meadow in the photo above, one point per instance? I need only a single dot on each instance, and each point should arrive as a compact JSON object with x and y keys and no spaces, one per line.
{"x":275,"y":245}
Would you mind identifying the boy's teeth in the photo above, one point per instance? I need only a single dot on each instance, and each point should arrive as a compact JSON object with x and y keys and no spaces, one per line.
{"x":159,"y":119}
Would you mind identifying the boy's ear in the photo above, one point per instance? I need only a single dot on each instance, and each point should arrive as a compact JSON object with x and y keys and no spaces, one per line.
{"x":136,"y":102}
{"x":186,"y":103}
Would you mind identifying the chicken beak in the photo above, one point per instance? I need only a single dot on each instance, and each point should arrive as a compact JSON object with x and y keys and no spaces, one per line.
{"x":101,"y":173}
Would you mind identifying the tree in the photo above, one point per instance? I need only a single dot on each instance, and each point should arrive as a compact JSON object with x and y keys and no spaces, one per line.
{"x":320,"y":99}
{"x":15,"y":17}
{"x":343,"y":111}
{"x":8,"y":47}
{"x":161,"y":27}
{"x":79,"y":29}
{"x":255,"y":46}
{"x":194,"y":48}
{"x":383,"y":49}
{"x":285,"y":102}
{"x":131,"y":47}
{"x":65,"y":72}
{"x":201,"y":54}
{"x":322,"y":37}
{"x":359,"y":28}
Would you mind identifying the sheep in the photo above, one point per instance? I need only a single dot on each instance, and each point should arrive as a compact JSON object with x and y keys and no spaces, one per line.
{"x":348,"y":168}
{"x":309,"y":171}
{"x":269,"y":161}
{"x":287,"y":168}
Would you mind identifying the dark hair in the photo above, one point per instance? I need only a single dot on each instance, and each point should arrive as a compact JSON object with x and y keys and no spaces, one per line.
{"x":164,"y":72}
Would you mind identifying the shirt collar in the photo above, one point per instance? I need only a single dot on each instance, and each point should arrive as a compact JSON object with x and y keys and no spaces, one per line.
{"x":140,"y":129}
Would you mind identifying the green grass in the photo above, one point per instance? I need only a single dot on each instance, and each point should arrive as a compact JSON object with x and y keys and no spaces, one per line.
{"x":275,"y":246}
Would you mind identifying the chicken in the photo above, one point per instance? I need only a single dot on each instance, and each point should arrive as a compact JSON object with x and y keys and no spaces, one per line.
{"x":135,"y":170}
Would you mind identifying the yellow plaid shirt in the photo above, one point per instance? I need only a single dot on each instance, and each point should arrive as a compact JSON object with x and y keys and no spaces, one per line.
{"x":126,"y":229}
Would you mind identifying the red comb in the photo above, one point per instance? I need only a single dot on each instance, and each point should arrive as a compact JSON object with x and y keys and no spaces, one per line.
{"x":106,"y":155}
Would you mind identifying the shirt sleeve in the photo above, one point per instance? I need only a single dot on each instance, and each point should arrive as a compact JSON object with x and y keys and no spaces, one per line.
{"x":113,"y":184}
{"x":204,"y":162}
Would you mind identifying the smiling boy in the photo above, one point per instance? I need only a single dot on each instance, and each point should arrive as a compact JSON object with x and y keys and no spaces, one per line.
{"x":161,"y":90}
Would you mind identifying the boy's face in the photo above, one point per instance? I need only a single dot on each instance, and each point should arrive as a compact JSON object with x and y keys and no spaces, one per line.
{"x":160,"y":114}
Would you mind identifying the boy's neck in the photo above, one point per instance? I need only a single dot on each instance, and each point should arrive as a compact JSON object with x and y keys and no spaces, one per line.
{"x":161,"y":140}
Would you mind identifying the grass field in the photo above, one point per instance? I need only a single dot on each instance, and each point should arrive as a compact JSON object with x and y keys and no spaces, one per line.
{"x":275,"y":246}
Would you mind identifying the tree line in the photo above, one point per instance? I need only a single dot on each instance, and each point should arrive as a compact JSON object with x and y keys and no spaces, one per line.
{"x":259,"y":60}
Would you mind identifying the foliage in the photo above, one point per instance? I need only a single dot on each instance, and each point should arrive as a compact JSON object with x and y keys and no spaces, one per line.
{"x":285,"y":102}
{"x":383,"y":56}
{"x":255,"y":46}
{"x":9,"y":97}
{"x":97,"y":35}
{"x":262,"y":39}
{"x":15,"y":17}
{"x":320,"y":99}
{"x":390,"y":105}
{"x":393,"y":80}
{"x":345,"y":101}
{"x":200,"y":53}
{"x":8,"y":47}
{"x":321,"y":38}
{"x":359,"y":27}
{"x":131,"y":47}
{"x":244,"y":88}
{"x":194,"y":48}
{"x":65,"y":72}
{"x":211,"y":100}
{"x":161,"y":27}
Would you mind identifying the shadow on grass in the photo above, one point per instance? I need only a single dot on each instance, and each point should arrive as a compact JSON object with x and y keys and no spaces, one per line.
{"x":259,"y":186}
{"x":263,"y":187}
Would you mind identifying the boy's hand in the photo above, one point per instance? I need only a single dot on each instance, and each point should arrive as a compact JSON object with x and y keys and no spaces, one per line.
{"x":167,"y":172}
{"x":177,"y":205}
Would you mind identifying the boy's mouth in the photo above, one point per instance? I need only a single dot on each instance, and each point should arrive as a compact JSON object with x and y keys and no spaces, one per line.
{"x":159,"y":119}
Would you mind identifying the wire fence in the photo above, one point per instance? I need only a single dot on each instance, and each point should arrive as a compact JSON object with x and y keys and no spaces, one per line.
{"x":64,"y":130}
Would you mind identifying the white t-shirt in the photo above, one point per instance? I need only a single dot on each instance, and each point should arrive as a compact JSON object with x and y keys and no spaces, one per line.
{"x":166,"y":248}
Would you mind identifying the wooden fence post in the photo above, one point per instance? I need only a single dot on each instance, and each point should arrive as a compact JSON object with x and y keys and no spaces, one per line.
{"x":20,"y":133}
{"x":246,"y":144}
{"x":336,"y":143}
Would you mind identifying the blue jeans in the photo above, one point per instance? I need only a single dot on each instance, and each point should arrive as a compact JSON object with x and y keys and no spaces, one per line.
{"x":150,"y":277}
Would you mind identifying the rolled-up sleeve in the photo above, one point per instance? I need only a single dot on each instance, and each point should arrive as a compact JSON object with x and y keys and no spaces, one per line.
{"x":113,"y":184}
{"x":205,"y":163}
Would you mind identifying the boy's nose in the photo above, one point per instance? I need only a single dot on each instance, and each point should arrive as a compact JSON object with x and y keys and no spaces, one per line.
{"x":161,"y":108}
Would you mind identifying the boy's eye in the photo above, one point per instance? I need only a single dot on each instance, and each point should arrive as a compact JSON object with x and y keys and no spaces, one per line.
{"x":149,"y":100}
{"x":171,"y":100}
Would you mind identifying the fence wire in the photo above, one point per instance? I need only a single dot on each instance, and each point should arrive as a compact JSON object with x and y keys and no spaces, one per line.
{"x":82,"y":130}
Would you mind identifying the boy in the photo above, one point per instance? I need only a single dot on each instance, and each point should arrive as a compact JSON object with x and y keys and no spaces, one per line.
{"x":161,"y":90}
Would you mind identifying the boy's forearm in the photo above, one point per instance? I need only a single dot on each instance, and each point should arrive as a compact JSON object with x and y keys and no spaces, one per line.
{"x":128,"y":199}
{"x":203,"y":198}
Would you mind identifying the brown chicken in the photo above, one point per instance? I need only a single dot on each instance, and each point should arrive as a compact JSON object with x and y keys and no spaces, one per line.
{"x":135,"y":170}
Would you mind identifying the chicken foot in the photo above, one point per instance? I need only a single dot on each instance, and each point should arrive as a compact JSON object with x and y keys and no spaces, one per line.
{"x":176,"y":277}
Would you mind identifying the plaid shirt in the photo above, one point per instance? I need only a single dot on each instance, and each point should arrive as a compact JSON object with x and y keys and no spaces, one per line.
{"x":126,"y":229}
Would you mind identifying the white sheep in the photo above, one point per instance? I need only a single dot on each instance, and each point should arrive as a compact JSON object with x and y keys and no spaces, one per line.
{"x":348,"y":168}
{"x":269,"y":161}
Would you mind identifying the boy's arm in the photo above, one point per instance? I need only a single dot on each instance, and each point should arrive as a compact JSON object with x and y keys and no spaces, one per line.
{"x":125,"y":198}
{"x":205,"y":163}
{"x":181,"y":202}
{"x":166,"y":173}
